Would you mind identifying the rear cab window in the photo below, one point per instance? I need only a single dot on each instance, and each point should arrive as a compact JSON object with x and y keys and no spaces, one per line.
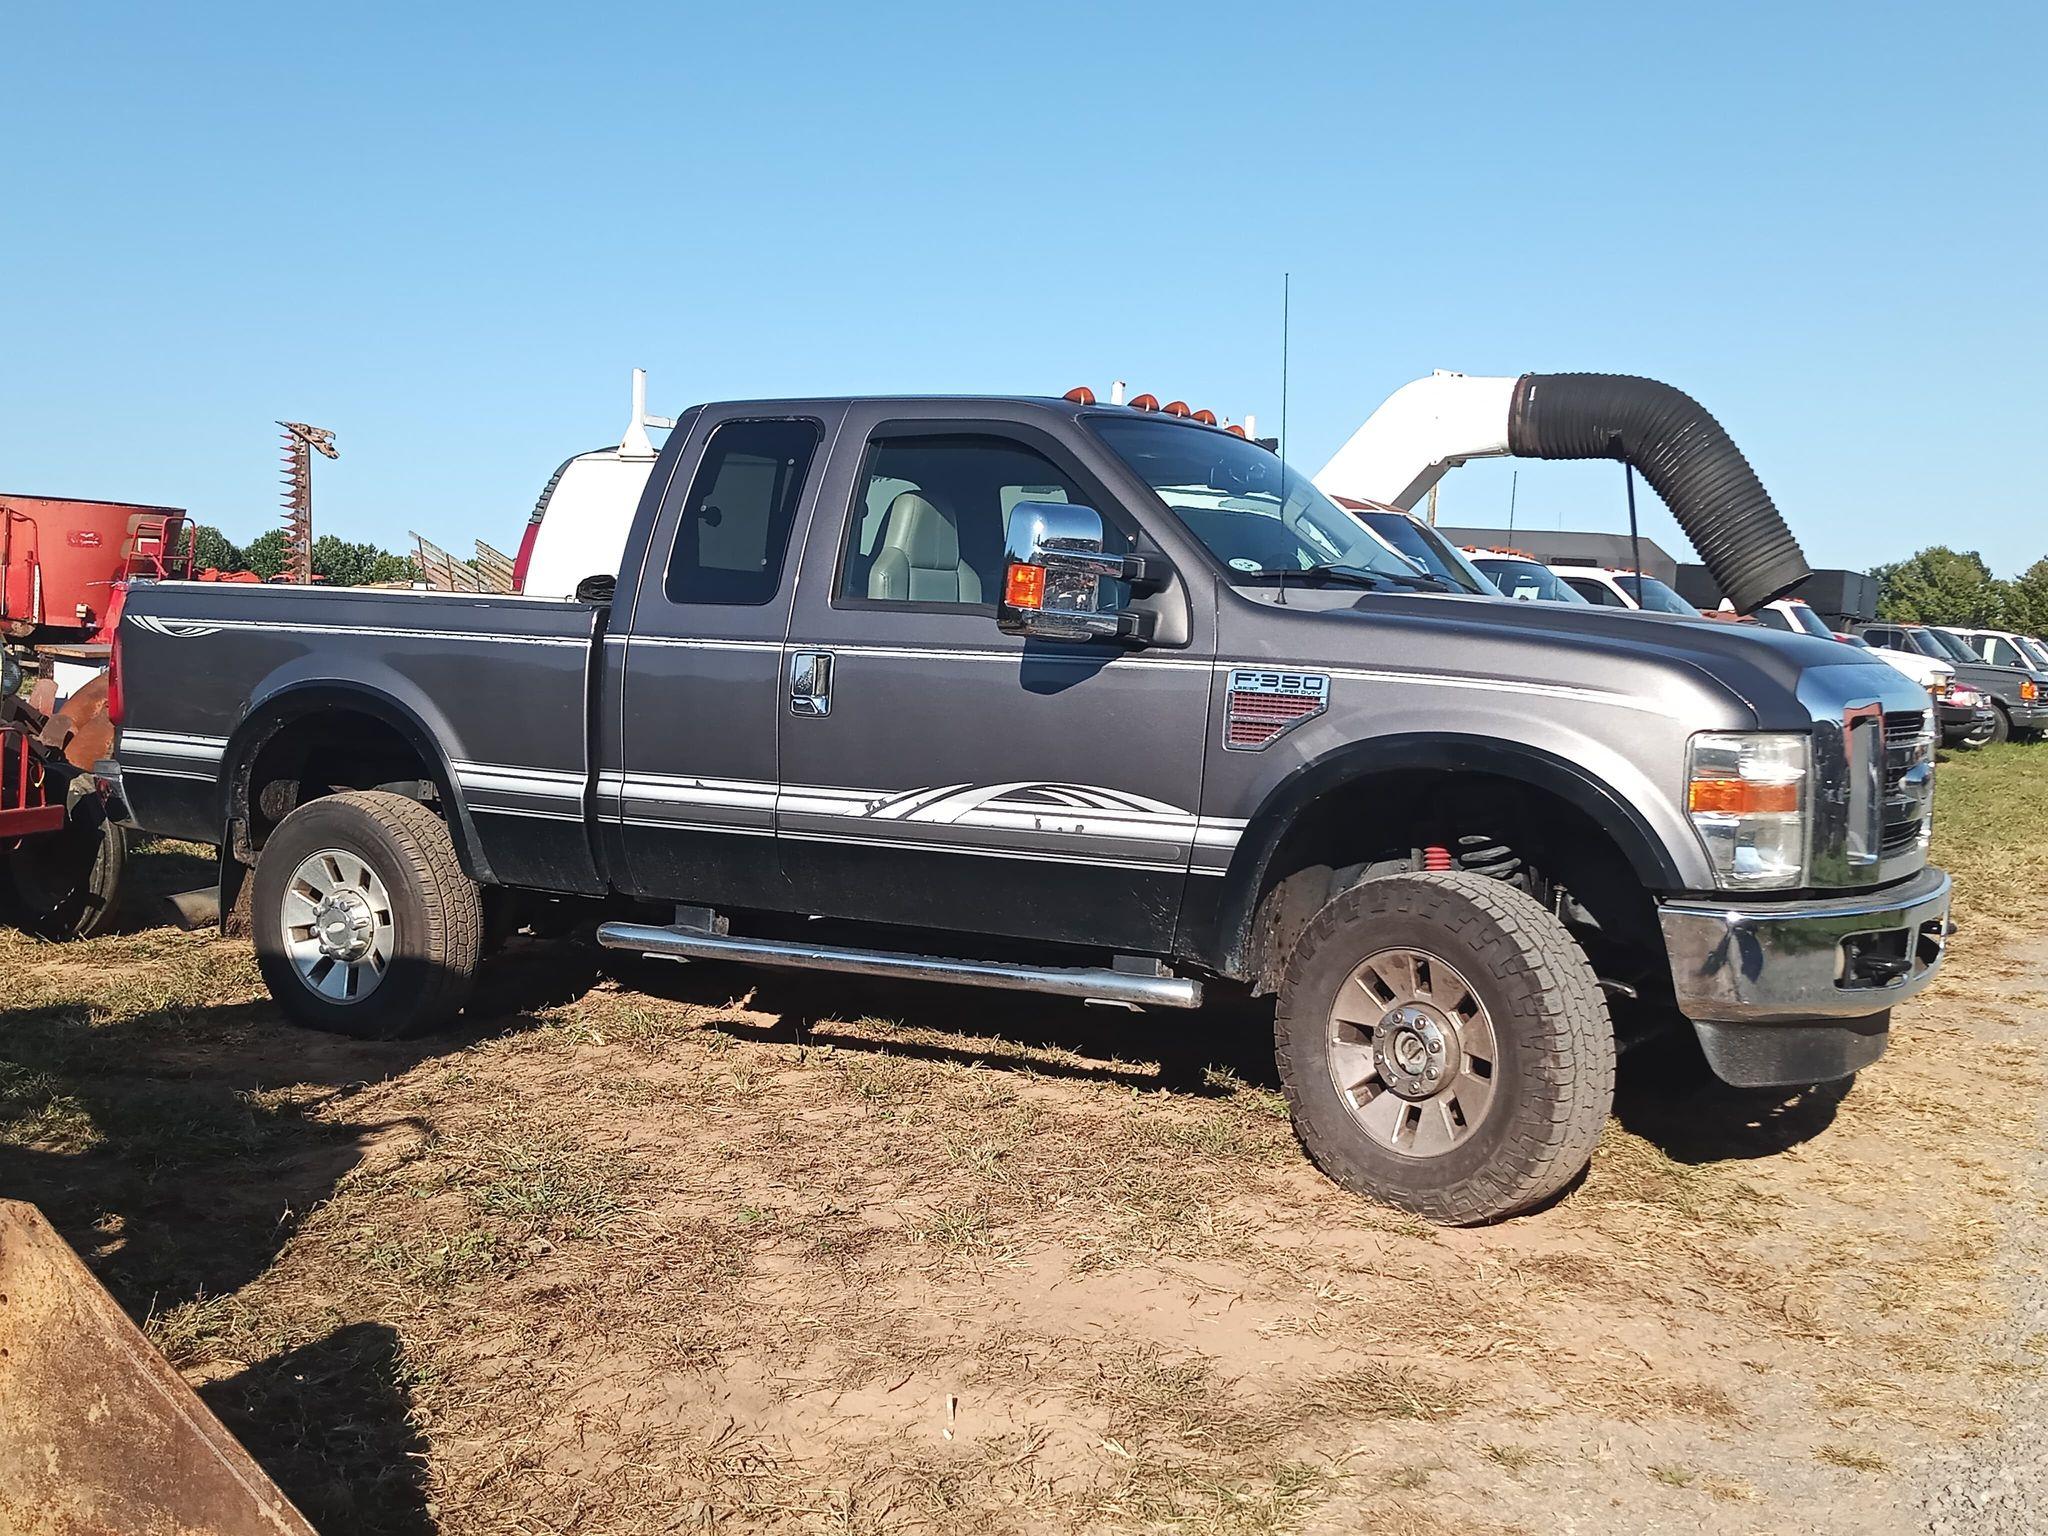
{"x":733,"y":535}
{"x":1595,"y":591}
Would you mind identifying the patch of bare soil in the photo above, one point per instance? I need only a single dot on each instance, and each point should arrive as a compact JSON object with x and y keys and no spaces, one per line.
{"x":730,"y":1250}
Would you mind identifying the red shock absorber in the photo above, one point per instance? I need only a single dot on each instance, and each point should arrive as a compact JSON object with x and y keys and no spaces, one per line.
{"x":1436,"y":857}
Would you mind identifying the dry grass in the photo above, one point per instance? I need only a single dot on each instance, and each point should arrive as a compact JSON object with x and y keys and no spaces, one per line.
{"x":729,"y":1250}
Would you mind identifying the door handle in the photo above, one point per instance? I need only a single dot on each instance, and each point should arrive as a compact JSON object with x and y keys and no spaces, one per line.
{"x":810,"y":683}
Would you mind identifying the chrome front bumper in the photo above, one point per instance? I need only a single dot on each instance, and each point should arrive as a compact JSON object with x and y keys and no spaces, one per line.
{"x":1802,"y":962}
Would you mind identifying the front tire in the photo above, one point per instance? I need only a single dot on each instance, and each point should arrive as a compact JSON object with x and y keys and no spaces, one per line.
{"x":2001,"y":726}
{"x":1444,"y":1046}
{"x":363,"y":920}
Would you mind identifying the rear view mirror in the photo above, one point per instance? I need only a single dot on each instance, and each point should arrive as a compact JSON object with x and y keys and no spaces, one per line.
{"x":1060,"y":583}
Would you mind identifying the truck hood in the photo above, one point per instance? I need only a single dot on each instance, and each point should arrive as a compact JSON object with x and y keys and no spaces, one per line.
{"x":1718,"y":664}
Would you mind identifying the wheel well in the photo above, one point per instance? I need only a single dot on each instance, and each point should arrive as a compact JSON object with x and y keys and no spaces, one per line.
{"x":1499,"y":825}
{"x":307,"y":756}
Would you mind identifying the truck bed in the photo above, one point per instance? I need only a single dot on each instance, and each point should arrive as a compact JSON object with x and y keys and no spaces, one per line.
{"x":493,"y":689}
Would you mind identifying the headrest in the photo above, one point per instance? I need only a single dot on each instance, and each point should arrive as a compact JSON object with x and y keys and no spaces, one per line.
{"x":925,"y":535}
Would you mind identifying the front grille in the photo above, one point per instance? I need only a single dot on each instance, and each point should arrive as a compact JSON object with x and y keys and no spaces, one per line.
{"x":1906,"y":806}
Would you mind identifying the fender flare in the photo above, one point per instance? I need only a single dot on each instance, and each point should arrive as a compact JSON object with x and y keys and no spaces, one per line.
{"x":1445,"y":752}
{"x":294,"y":702}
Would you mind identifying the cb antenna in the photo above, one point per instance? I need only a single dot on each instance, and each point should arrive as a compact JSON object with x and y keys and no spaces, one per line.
{"x":1286,"y":297}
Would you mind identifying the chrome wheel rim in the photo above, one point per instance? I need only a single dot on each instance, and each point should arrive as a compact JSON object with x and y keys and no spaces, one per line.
{"x":1412,"y":1052}
{"x":337,"y":926}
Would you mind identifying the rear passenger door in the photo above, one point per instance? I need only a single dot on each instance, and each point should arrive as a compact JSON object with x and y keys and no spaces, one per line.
{"x":686,"y":784}
{"x":939,"y":773}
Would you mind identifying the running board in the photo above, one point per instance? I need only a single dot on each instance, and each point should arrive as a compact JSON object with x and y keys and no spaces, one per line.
{"x":1098,"y":985}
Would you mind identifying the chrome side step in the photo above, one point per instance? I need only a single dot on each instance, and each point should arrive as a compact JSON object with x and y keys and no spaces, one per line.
{"x":1096,"y":984}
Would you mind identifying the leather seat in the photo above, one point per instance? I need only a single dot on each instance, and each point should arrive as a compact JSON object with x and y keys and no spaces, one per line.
{"x":919,"y":561}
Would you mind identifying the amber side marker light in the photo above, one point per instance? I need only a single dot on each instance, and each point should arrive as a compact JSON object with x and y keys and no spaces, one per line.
{"x":1742,"y":797}
{"x":1024,"y":587}
{"x":2028,"y":690}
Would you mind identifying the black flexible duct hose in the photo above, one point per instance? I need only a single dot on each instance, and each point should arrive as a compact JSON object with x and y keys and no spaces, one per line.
{"x":1684,"y":454}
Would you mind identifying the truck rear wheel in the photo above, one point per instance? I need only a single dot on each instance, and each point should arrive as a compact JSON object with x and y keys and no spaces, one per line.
{"x":1444,"y":1046}
{"x":364,"y":922}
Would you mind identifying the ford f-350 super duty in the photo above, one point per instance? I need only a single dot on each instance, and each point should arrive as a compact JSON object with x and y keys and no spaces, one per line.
{"x":1103,"y":701}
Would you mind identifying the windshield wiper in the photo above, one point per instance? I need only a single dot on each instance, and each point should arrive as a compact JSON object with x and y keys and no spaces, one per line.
{"x":1357,"y":575}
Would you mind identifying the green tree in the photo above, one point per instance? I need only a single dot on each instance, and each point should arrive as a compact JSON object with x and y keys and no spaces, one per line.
{"x":212,"y":548}
{"x":1940,"y":586}
{"x":266,"y":554}
{"x":344,"y":564}
{"x":2026,"y":600}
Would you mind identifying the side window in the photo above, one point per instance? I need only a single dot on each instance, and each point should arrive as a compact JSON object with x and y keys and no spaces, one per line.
{"x":736,"y":521}
{"x":930,"y":515}
{"x":1995,"y":650}
{"x":1593,"y":591}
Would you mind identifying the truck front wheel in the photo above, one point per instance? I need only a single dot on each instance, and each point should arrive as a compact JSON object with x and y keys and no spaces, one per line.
{"x":1444,"y":1046}
{"x":364,"y":922}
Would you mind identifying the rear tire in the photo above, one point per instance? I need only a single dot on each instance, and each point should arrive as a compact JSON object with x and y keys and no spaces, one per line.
{"x":1444,"y":1046}
{"x":363,"y":921}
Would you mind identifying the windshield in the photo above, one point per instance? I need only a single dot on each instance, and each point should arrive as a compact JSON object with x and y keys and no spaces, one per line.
{"x":1428,"y":549}
{"x":1255,"y":514}
{"x":2033,"y":650}
{"x":1955,"y":649}
{"x":1806,"y":619}
{"x":1923,"y":641}
{"x":1527,"y":581}
{"x":1653,"y":595}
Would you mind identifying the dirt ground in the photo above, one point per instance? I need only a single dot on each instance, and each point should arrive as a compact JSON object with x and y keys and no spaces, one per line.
{"x":725,"y":1249}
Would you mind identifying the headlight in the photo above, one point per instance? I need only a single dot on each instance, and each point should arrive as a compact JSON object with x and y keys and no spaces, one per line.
{"x":1747,"y":794}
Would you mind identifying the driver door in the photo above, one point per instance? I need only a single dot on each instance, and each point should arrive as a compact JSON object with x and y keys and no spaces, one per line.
{"x":952,"y":776}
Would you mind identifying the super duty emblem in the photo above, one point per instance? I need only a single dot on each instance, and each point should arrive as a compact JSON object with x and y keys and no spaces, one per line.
{"x":1264,"y":705}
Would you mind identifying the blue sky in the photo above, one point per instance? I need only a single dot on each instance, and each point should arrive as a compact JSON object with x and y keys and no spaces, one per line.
{"x":446,"y":232}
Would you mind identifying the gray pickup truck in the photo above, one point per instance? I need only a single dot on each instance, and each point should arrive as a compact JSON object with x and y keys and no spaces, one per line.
{"x":1092,"y":700}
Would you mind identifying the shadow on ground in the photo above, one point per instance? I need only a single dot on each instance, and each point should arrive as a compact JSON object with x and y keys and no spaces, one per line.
{"x":331,"y":1422}
{"x":178,"y":1149}
{"x":1667,"y":1094}
{"x":1163,"y":1049}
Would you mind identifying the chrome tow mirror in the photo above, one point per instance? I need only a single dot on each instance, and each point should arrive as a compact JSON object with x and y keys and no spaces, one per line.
{"x":1060,"y":583}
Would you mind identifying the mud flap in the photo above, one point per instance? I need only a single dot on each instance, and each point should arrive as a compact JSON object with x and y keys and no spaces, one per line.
{"x":99,"y":1434}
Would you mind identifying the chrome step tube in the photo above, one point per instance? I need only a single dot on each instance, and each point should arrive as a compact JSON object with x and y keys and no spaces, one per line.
{"x":1096,"y":984}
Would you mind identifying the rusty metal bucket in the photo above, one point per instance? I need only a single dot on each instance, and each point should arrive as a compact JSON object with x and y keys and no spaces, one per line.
{"x":98,"y":1434}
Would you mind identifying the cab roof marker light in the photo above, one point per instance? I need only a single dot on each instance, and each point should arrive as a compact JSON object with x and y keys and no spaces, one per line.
{"x":1145,"y":403}
{"x":1177,"y":408}
{"x":1206,"y":417}
{"x":1080,"y":394}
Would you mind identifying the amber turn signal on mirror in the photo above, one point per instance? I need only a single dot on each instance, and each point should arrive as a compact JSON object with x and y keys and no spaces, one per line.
{"x":1024,"y":587}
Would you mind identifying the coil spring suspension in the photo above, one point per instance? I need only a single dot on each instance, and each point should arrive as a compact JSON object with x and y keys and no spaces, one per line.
{"x":1483,"y":855}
